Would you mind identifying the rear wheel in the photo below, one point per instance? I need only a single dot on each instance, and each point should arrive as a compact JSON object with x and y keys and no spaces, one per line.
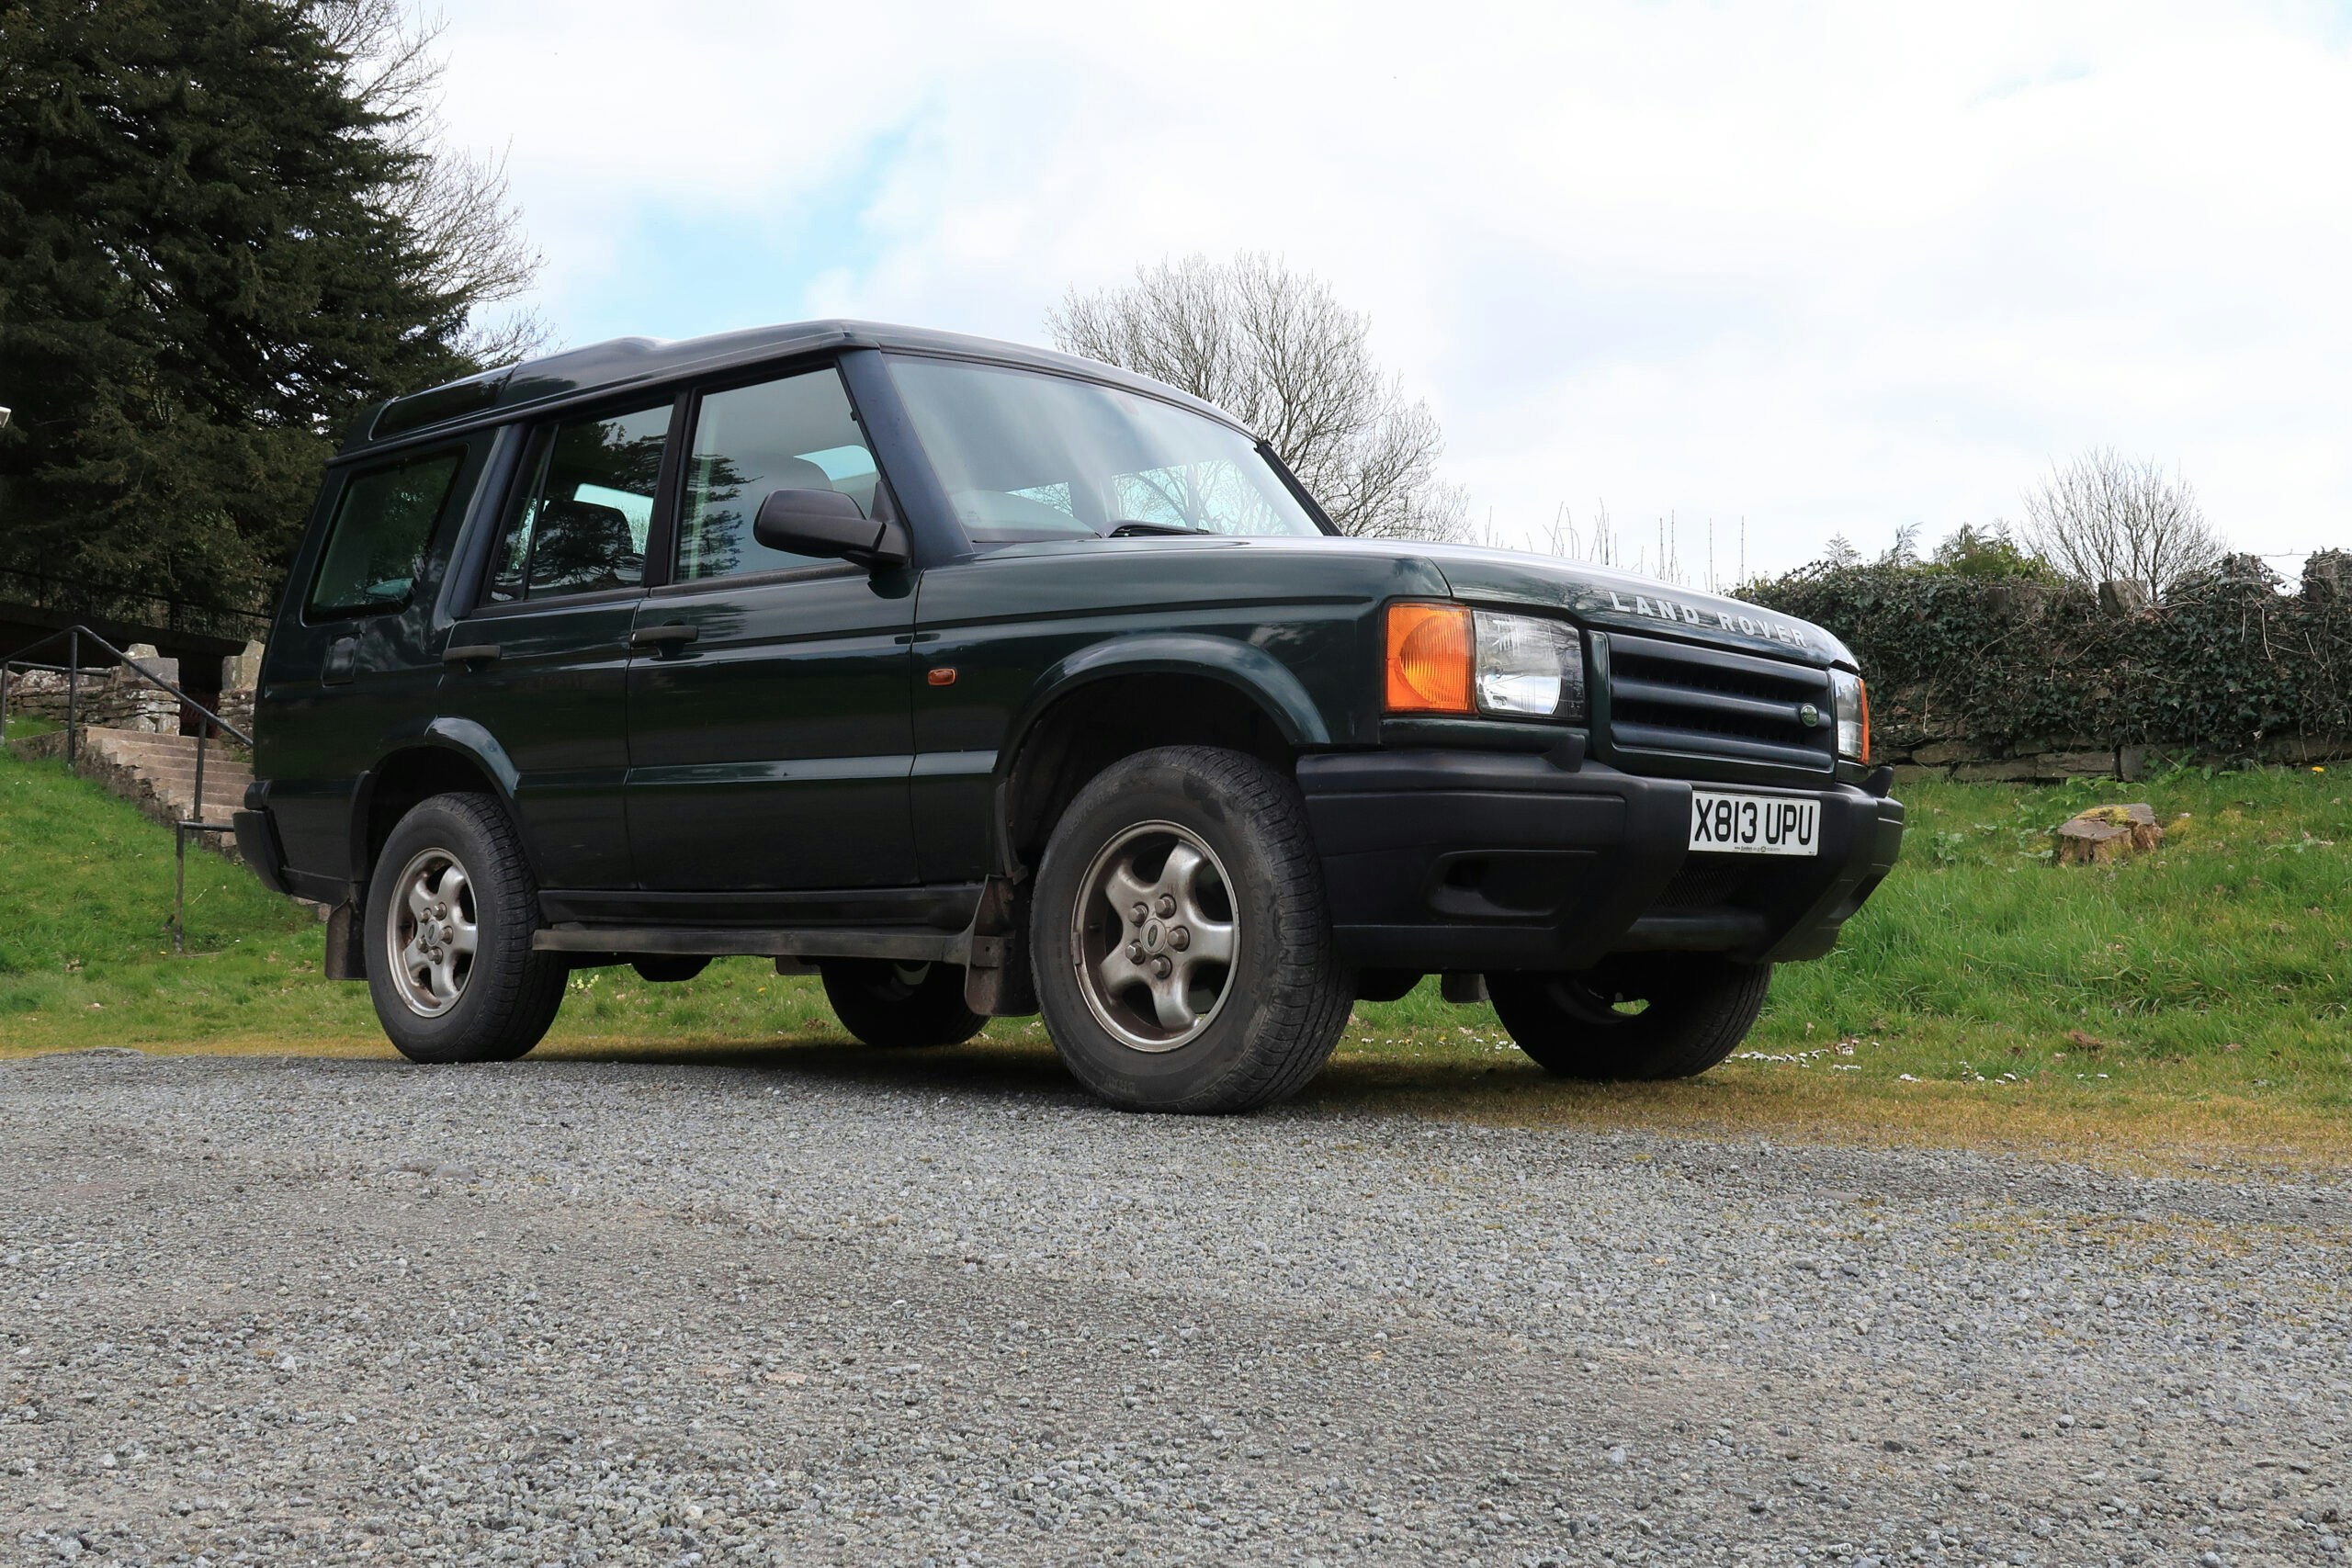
{"x":1636,"y":1015}
{"x":884,"y":1002}
{"x":451,"y":910}
{"x":1184,"y":950}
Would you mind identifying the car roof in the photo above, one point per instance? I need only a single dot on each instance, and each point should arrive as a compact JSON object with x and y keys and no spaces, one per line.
{"x":581,"y":374}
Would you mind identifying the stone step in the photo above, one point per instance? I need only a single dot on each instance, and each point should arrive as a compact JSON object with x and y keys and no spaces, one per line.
{"x":152,"y":753}
{"x":176,"y":762}
{"x":173,"y":772}
{"x":214,"y":767}
{"x":184,"y":773}
{"x":185,"y":789}
{"x":184,"y":782}
{"x":149,"y":758}
{"x":132,"y":743}
{"x":173,"y":746}
{"x":184,"y":779}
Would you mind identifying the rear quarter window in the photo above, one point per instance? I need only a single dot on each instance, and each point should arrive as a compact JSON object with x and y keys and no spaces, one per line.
{"x":376,"y":541}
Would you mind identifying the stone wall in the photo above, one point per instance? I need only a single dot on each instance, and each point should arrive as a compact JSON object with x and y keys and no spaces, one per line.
{"x":237,"y":708}
{"x":111,"y":697}
{"x":1981,"y":763}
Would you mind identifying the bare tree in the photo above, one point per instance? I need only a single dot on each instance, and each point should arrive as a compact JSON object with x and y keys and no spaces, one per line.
{"x":460,"y":207}
{"x":1563,"y":538}
{"x":2107,"y":518}
{"x":1273,"y":347}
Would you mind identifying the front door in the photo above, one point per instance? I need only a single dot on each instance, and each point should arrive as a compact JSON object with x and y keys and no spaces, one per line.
{"x":770,"y":733}
{"x":542,"y":663}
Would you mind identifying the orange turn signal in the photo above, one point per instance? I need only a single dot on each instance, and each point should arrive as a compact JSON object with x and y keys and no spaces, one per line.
{"x":1429,"y":659}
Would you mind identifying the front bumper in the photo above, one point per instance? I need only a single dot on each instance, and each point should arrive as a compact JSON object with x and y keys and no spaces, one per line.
{"x":1460,"y":860}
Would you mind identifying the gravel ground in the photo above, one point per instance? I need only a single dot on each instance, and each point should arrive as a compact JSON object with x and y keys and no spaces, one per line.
{"x":832,"y":1311}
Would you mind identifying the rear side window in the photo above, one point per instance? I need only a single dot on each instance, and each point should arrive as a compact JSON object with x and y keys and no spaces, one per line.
{"x":376,"y":544}
{"x":579,"y":520}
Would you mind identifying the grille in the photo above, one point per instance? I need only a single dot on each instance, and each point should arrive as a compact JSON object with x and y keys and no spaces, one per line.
{"x":1673,"y":697}
{"x":1703,"y":881}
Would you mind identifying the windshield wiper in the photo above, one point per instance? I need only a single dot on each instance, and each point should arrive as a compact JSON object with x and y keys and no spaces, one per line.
{"x":1129,"y":527}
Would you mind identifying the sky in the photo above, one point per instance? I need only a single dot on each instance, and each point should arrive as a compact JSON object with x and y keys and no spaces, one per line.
{"x":1791,"y":271}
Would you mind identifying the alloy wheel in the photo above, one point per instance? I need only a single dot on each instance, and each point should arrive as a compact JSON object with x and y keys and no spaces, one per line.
{"x":433,"y":933}
{"x":1155,"y":935}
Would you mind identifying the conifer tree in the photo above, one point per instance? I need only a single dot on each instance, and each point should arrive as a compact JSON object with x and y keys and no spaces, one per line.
{"x":206,"y":270}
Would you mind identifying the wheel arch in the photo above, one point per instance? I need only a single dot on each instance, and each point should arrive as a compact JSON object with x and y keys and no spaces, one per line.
{"x":1115,"y":698}
{"x":447,"y":755}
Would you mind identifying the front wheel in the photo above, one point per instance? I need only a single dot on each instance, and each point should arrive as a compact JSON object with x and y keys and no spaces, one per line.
{"x":1184,"y":950}
{"x":884,"y":1002}
{"x":451,"y":910}
{"x":1635,"y":1016}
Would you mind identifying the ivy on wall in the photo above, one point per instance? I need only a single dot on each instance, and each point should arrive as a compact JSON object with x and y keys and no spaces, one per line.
{"x":2232,"y":663}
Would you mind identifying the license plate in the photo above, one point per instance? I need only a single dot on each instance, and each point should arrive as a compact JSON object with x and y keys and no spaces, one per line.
{"x":1754,"y":824}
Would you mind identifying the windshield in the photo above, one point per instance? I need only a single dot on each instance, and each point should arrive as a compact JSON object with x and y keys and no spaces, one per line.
{"x":1025,"y":455}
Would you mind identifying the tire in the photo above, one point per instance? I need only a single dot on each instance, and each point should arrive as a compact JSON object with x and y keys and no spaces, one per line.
{"x":1168,"y":1031}
{"x":491,"y":1004}
{"x":1699,"y":1007}
{"x":899,"y":1006}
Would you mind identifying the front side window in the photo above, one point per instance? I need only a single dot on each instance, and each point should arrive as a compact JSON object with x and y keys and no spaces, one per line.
{"x":797,"y":433}
{"x":579,"y":520}
{"x":376,"y":544}
{"x":1029,"y":456}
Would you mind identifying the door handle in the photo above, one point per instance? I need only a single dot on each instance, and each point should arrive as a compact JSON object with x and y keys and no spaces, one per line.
{"x":341,"y":662}
{"x":470,"y":653}
{"x":672,"y":636}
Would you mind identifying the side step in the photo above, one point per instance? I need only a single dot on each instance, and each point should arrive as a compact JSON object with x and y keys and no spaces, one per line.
{"x":708,"y":941}
{"x":991,"y":951}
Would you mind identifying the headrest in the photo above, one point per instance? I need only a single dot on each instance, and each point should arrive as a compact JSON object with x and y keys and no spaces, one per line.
{"x":581,"y":546}
{"x":799,"y":473}
{"x":589,"y":521}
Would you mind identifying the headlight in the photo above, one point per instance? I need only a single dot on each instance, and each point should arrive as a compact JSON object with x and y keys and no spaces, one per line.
{"x":1530,"y":667}
{"x":1450,"y":658}
{"x":1852,"y":700}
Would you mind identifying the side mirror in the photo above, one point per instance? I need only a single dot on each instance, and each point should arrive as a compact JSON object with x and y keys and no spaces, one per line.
{"x":827,"y":522}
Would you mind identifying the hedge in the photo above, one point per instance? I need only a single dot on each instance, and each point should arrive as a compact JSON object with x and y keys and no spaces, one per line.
{"x":2229,"y":666}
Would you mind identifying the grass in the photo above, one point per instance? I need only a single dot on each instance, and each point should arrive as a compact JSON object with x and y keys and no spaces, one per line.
{"x":2196,"y":999}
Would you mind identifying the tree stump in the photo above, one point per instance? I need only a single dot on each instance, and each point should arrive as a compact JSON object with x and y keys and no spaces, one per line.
{"x":2107,"y":833}
{"x":2123,"y":597}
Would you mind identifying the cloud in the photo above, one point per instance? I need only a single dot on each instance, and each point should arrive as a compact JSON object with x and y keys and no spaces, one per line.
{"x":1828,"y":268}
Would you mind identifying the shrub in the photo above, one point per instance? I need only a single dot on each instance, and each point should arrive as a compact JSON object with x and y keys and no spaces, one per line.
{"x":2230,"y":664}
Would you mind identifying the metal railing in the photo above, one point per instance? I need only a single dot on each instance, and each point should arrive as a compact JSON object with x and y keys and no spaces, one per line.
{"x":207,"y":722}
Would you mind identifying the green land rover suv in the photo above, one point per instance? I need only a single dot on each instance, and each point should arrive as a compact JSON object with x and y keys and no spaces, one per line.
{"x":989,"y":681}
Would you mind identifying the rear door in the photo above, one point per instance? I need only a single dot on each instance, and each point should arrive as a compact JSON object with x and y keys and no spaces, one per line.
{"x":769,"y":721}
{"x":353,"y":657}
{"x":542,"y":661}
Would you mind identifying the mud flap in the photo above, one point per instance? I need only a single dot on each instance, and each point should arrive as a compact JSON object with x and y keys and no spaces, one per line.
{"x":997,"y":981}
{"x":346,"y":943}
